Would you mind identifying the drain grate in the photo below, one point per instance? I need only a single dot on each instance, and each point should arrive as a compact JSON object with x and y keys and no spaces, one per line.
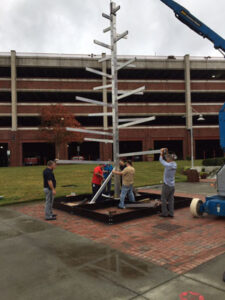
{"x":167,"y":226}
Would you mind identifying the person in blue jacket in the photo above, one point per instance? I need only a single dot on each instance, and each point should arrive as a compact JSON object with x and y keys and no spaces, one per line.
{"x":106,"y":171}
{"x":168,"y":188}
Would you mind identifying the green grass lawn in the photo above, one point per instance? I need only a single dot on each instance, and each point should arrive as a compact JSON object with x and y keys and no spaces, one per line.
{"x":19,"y":184}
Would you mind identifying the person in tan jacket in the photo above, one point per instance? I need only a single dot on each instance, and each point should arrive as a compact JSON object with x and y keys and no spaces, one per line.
{"x":127,"y":183}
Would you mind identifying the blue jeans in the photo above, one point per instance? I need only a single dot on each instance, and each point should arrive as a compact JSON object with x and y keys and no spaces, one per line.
{"x":107,"y":189}
{"x":126,"y":190}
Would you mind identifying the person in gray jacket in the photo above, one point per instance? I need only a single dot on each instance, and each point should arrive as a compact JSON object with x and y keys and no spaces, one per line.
{"x":168,"y":188}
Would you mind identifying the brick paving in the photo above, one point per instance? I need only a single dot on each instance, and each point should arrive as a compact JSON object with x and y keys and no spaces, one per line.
{"x":179,"y":244}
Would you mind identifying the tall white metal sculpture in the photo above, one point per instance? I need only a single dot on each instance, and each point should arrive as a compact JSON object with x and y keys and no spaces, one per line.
{"x":116,"y":96}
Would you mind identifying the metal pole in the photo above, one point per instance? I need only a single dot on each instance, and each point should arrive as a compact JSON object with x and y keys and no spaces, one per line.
{"x":192,"y":148}
{"x":189,"y":125}
{"x":114,"y":98}
{"x":13,"y":91}
{"x":104,"y":93}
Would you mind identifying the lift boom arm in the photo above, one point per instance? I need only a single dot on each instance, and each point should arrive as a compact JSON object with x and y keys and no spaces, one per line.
{"x":192,"y":22}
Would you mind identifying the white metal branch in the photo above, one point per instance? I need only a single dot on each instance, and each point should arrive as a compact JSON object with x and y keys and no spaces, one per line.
{"x":101,"y":188}
{"x":124,"y":92}
{"x":100,"y":114}
{"x":107,"y":16}
{"x":88,"y":131}
{"x":81,"y":162}
{"x":102,"y":87}
{"x":107,"y":29}
{"x":104,"y":58}
{"x":114,"y":10}
{"x":140,"y":153}
{"x":102,"y":44}
{"x":93,"y":101}
{"x":131,"y":93}
{"x":136,"y":122}
{"x":128,"y":120}
{"x":121,"y":66}
{"x":98,"y":140}
{"x":120,"y":36}
{"x":98,"y":72}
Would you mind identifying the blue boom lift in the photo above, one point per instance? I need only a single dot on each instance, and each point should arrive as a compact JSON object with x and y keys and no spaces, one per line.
{"x":214,"y":205}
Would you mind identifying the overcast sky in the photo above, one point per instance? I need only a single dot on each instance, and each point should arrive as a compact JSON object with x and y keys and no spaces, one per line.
{"x":69,"y":26}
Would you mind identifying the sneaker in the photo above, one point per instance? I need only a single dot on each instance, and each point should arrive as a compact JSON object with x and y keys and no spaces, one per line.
{"x":171,"y":216}
{"x":106,"y":196}
{"x":54,"y":215}
{"x":162,"y":216}
{"x":50,"y":219}
{"x":121,"y":207}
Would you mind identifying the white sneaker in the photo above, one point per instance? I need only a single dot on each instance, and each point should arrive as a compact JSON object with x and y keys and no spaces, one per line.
{"x":106,"y":196}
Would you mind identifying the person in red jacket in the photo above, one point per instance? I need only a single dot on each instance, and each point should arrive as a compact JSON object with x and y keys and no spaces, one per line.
{"x":97,"y":180}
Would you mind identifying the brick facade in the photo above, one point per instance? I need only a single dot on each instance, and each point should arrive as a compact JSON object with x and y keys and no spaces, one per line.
{"x":164,"y":97}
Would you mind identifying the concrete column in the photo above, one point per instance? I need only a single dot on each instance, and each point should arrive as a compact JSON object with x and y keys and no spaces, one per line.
{"x":105,"y":151}
{"x":104,"y":93}
{"x":63,"y":152}
{"x":189,"y":122}
{"x":15,"y":147}
{"x":13,"y":91}
{"x":187,"y":78}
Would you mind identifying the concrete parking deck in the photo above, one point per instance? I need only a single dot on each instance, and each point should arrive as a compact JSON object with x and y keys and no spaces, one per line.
{"x":76,"y":258}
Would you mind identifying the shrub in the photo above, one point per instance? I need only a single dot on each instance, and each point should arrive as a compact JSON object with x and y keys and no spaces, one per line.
{"x":185,"y":170}
{"x":217,"y":161}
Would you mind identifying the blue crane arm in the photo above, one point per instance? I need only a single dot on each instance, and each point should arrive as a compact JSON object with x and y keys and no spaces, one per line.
{"x":192,"y":22}
{"x":222,"y":127}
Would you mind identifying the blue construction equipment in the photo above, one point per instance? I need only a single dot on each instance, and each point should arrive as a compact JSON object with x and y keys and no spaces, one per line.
{"x":214,"y":205}
{"x":192,"y":22}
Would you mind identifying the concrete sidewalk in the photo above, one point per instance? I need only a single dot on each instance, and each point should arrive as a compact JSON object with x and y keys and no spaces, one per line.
{"x":41,"y":261}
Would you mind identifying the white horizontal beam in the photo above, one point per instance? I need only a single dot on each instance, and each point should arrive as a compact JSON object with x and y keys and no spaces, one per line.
{"x":102,"y":44}
{"x":104,"y":58}
{"x":81,"y":162}
{"x":88,"y":131}
{"x":107,"y":16}
{"x":137,"y":122}
{"x":98,"y":140}
{"x":98,"y":72}
{"x":126,"y":63}
{"x":120,"y":36}
{"x":102,"y":87}
{"x":93,"y":101}
{"x":100,"y":114}
{"x":107,"y":29}
{"x":131,"y":93}
{"x":140,"y":153}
